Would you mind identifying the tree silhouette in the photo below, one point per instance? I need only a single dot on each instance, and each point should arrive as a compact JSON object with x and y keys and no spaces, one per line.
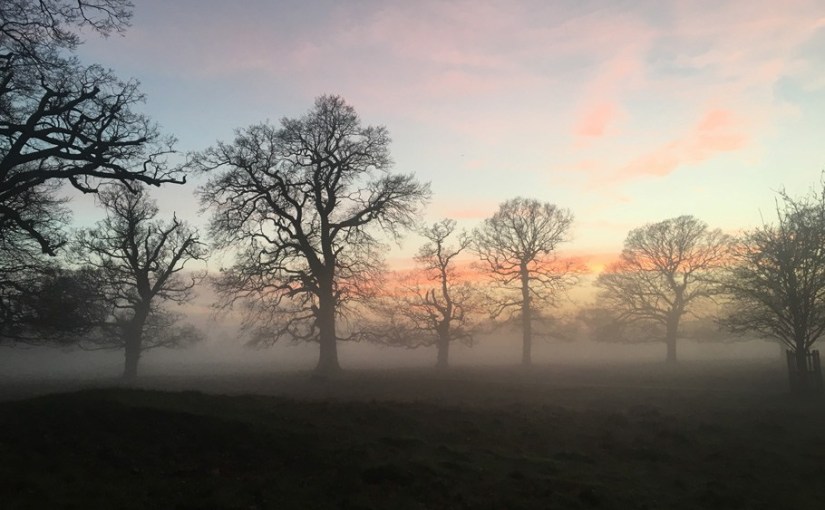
{"x":776,"y":280}
{"x":58,"y":306}
{"x":140,"y":261}
{"x":22,"y":263}
{"x":62,"y":122}
{"x":517,"y":247}
{"x":432,"y":305}
{"x":665,"y":269}
{"x":301,"y":206}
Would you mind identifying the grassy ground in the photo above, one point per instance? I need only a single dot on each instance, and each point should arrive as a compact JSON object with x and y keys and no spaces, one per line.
{"x":624,"y":437}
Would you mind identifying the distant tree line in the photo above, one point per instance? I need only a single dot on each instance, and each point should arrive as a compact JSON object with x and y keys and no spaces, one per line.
{"x":304,"y":208}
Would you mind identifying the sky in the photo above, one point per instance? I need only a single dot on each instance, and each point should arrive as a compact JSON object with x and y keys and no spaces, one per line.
{"x":625,"y":112}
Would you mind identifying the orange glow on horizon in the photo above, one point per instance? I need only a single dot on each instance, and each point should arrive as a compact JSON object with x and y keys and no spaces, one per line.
{"x":467,"y":268}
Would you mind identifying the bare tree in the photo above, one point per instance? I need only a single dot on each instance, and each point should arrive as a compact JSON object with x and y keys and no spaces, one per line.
{"x":302,"y":206}
{"x":518,"y":248}
{"x":776,"y":280}
{"x":433,"y":304}
{"x":140,"y":260}
{"x":33,"y":30}
{"x":62,"y":122}
{"x":665,"y":270}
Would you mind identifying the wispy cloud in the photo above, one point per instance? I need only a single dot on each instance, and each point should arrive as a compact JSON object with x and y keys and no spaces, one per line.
{"x":600,"y":102}
{"x":718,"y":131}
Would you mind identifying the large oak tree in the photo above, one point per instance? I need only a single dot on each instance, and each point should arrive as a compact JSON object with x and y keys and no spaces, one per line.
{"x":302,"y":207}
{"x":518,"y":249}
{"x":665,"y":270}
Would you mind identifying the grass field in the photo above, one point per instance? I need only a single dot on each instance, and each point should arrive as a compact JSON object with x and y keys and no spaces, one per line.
{"x":643,"y":436}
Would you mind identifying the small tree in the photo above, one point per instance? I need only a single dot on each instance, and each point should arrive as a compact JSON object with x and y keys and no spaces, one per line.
{"x":140,"y":261}
{"x":302,"y":206}
{"x":431,"y":305}
{"x":517,"y":247}
{"x":776,"y":280}
{"x":665,"y":270}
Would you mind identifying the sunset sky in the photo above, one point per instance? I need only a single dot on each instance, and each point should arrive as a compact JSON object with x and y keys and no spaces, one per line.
{"x":626,"y":112}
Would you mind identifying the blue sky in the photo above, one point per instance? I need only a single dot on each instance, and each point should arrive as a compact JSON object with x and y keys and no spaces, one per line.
{"x":625,"y":112}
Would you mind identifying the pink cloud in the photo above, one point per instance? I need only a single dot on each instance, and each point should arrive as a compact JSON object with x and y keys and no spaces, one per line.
{"x":595,"y":121}
{"x":716,"y":132}
{"x":600,"y":104}
{"x":733,"y":57}
{"x":714,"y":120}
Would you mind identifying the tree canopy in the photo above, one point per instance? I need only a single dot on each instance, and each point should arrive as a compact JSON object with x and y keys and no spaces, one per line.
{"x":434,"y":304}
{"x":518,"y":250}
{"x":65,"y":122}
{"x":302,"y":206}
{"x":776,"y":280}
{"x":664,"y":270}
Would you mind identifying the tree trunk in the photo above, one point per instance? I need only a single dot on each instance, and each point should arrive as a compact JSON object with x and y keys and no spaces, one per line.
{"x":133,"y":338}
{"x":132,"y":357}
{"x":328,"y":355}
{"x":670,"y":338}
{"x":802,"y":377}
{"x":801,"y":359}
{"x":443,"y":350}
{"x":526,"y":319}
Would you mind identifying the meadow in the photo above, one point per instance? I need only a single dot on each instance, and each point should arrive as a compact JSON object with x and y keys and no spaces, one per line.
{"x":623,"y":436}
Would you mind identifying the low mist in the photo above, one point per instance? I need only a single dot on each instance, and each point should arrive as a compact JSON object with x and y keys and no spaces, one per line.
{"x":221,"y":354}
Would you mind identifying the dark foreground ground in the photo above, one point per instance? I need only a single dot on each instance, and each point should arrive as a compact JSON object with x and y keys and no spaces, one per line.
{"x":622,"y":437}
